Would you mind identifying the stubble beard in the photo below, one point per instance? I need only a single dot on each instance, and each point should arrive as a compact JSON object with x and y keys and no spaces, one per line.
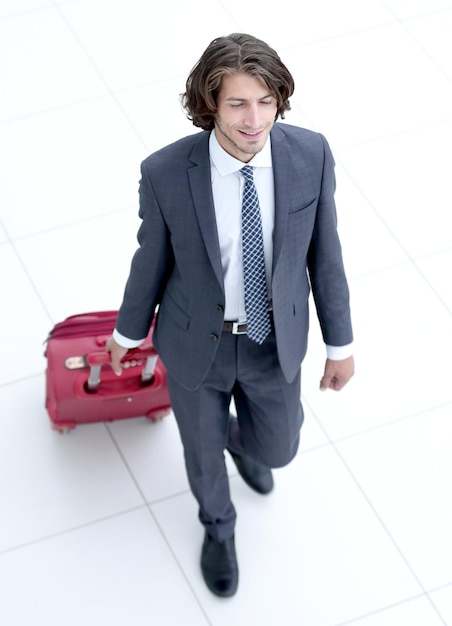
{"x":249,"y":151}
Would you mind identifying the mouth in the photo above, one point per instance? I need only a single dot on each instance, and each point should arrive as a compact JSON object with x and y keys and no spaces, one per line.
{"x":254,"y":135}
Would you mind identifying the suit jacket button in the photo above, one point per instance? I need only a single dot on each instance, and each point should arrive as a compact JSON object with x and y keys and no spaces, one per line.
{"x":213,"y":337}
{"x":220,"y":308}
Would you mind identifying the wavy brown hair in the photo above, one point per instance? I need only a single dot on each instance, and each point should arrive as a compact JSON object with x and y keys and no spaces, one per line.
{"x":226,"y":56}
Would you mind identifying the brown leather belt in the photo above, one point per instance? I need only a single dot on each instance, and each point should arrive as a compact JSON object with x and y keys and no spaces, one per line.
{"x":235,"y":328}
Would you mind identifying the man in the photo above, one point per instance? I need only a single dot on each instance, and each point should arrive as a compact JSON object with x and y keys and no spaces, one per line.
{"x":238,"y":223}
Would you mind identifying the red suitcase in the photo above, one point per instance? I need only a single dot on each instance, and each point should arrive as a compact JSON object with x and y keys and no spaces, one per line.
{"x":81,"y":387}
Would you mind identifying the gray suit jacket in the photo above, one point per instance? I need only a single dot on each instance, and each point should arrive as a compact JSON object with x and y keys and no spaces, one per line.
{"x":178,"y":263}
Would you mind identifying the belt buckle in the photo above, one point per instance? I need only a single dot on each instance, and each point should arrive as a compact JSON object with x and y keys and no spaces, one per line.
{"x":235,"y":328}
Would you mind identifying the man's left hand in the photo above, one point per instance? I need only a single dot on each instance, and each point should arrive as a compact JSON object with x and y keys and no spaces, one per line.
{"x":337,"y":374}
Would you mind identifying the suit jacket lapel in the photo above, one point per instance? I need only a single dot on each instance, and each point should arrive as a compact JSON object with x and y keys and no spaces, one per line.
{"x":283,"y":173}
{"x":201,"y":188}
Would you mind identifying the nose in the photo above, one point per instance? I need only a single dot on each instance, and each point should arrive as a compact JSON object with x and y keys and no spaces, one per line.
{"x":252,"y":116}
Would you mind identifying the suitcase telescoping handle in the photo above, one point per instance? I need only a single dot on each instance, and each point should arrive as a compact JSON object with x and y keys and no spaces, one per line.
{"x":96,"y":360}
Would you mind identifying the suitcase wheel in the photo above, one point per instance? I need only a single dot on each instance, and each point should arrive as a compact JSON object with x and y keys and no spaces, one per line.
{"x":63,"y":428}
{"x":157,"y":416}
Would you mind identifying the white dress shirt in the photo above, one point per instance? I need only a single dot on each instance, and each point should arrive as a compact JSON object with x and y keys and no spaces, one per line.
{"x":227,"y":188}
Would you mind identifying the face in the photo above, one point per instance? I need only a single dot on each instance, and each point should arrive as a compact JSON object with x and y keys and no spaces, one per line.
{"x":246,"y":112}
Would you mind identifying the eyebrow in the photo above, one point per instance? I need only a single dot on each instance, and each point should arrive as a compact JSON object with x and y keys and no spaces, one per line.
{"x":236,"y":99}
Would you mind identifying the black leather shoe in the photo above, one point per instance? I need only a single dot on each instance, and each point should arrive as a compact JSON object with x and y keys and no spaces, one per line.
{"x":219,"y":566}
{"x":257,"y":476}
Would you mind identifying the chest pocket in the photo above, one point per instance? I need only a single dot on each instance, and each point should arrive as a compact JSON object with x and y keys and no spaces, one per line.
{"x":302,"y":206}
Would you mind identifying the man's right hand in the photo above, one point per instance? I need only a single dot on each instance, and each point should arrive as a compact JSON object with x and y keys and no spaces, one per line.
{"x":117,"y":353}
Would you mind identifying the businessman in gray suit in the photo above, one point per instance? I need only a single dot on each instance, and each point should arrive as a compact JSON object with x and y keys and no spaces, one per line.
{"x":238,"y":226}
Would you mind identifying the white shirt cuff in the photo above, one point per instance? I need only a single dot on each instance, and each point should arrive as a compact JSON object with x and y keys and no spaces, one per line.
{"x":338,"y":353}
{"x":125,"y":342}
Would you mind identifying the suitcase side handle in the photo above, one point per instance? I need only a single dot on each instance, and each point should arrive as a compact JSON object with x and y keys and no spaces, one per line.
{"x":96,"y":360}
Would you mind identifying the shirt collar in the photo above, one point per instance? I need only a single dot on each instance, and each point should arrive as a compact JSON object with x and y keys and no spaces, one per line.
{"x":227,"y":164}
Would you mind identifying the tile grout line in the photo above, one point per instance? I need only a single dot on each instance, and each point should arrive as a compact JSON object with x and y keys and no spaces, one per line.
{"x":395,"y":238}
{"x":68,"y":531}
{"x":389,"y":135}
{"x":66,"y":225}
{"x":111,"y":92}
{"x":179,"y":565}
{"x":372,"y":429}
{"x":28,"y":276}
{"x":379,"y":518}
{"x":148,"y":506}
{"x":49,"y":110}
{"x":19,"y":381}
{"x":10,"y":16}
{"x":421,"y":273}
{"x":126,"y":465}
{"x":146,"y":502}
{"x":403,"y":23}
{"x":391,"y":21}
{"x":385,"y":608}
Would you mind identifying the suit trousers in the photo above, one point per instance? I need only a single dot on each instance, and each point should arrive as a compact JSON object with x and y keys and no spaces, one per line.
{"x":267,"y":426}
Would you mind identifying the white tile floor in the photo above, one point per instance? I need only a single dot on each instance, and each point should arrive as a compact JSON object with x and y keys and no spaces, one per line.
{"x":99,"y":527}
